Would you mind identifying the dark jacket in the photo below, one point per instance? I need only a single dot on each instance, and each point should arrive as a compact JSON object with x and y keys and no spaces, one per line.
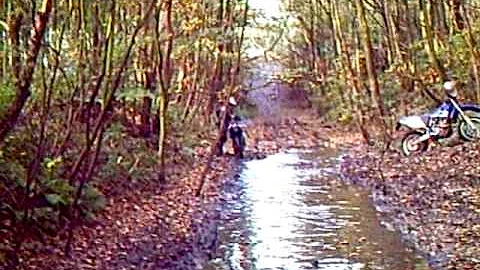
{"x":228,"y":117}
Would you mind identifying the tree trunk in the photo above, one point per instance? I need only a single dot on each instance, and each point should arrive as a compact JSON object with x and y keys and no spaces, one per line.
{"x":312,"y":37}
{"x":428,"y":35}
{"x":193,"y":87}
{"x":442,"y":24}
{"x":234,"y":74}
{"x":148,"y":79}
{"x":164,"y":75}
{"x":388,"y":31}
{"x":24,"y":79}
{"x":455,"y":7}
{"x":5,"y":7}
{"x":216,"y":81}
{"x":368,"y":50}
{"x":474,"y":54}
{"x":348,"y":72}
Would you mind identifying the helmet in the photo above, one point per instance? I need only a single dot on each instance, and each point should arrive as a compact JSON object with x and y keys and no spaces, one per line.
{"x":449,"y":87}
{"x":232,"y":101}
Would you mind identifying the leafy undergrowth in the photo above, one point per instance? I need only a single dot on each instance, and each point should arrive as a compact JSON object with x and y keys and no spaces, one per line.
{"x":433,"y":199}
{"x":146,"y":224}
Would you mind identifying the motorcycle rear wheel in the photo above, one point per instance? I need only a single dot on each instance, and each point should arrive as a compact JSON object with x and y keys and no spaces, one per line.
{"x":467,"y":133}
{"x":409,"y":148}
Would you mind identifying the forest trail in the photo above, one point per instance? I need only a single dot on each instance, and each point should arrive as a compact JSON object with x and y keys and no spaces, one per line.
{"x":166,"y":226}
{"x":102,"y":101}
{"x":295,"y":164}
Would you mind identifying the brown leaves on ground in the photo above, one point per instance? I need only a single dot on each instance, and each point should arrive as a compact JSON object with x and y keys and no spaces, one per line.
{"x":153,"y":227}
{"x":434,"y":199}
{"x":301,"y":131}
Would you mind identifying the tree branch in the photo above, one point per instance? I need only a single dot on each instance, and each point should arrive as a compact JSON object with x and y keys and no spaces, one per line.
{"x":22,"y":85}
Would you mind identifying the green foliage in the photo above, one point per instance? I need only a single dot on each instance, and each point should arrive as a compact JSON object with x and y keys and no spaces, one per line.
{"x":87,"y":59}
{"x":7,"y":93}
{"x":92,"y":201}
{"x":134,"y":94}
{"x":12,"y":172}
{"x":58,"y":191}
{"x":459,"y":65}
{"x":127,"y":157}
{"x":49,"y":191}
{"x":54,"y":199}
{"x":391,"y":89}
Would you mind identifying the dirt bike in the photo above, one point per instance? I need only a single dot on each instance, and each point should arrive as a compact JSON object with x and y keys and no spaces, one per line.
{"x":440,"y":123}
{"x":237,"y":135}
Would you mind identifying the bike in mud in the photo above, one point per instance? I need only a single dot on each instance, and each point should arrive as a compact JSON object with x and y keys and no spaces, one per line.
{"x":440,"y":123}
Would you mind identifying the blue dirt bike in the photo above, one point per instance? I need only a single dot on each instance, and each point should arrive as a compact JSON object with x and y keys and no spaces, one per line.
{"x":440,"y":123}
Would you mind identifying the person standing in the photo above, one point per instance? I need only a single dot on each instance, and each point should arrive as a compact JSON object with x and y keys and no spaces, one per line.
{"x":229,"y":110}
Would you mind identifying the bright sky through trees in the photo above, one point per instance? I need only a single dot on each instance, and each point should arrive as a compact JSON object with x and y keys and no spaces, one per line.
{"x":269,"y":8}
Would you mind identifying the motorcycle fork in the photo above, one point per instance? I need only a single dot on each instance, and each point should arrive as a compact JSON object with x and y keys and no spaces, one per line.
{"x":464,"y":116}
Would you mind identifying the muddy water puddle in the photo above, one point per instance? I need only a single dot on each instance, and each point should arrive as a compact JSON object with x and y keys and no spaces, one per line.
{"x":287,"y":212}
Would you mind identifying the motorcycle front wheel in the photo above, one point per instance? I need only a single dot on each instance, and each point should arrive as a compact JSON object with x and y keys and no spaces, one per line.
{"x":467,"y":132}
{"x":408,"y":145}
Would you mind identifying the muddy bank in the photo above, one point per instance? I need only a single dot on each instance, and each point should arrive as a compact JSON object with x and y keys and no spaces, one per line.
{"x":433,"y":200}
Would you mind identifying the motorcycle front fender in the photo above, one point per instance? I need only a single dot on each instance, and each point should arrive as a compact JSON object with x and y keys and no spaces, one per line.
{"x":412,"y":122}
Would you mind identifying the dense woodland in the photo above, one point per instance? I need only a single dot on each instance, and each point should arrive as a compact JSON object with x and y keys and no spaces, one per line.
{"x":94,"y":92}
{"x":380,"y":58}
{"x":97,"y":93}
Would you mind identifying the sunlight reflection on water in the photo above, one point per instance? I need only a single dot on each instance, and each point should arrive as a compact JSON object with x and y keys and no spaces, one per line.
{"x":278,"y":212}
{"x":281,"y":213}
